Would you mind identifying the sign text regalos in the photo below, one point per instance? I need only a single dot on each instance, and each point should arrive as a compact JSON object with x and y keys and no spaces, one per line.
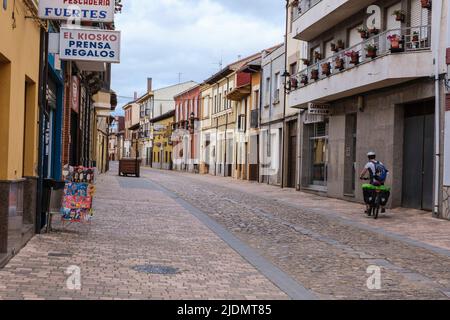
{"x":90,"y":45}
{"x":84,"y":10}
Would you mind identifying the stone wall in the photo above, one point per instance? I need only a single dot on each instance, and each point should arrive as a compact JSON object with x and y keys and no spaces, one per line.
{"x":446,"y":203}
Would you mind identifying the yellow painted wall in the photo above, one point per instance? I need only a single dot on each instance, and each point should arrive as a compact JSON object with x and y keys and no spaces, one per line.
{"x":163,"y":138}
{"x":19,"y":64}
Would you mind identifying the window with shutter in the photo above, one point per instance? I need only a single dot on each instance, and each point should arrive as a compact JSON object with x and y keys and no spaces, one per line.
{"x":419,"y":19}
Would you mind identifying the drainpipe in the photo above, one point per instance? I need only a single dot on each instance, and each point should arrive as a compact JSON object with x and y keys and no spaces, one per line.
{"x":42,"y":104}
{"x":438,"y":6}
{"x":217,"y":133}
{"x":269,"y":138}
{"x":226,"y":129}
{"x":285,"y":97}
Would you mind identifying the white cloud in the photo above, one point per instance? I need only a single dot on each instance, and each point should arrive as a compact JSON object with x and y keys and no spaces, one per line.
{"x":161,"y":38}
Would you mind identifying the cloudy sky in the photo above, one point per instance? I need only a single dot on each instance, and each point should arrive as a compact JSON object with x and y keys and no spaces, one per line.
{"x":162,"y":38}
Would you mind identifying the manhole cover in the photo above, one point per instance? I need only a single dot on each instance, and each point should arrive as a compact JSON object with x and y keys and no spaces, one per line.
{"x":155,"y":269}
{"x":59,"y":254}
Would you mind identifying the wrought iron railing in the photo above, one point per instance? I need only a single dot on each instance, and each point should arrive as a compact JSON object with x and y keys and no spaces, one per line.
{"x":409,"y":39}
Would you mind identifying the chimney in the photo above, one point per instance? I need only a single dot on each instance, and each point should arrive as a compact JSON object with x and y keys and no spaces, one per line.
{"x":149,"y":84}
{"x":135,"y":95}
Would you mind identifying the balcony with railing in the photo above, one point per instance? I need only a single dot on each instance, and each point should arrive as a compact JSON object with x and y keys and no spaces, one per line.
{"x":314,"y":17}
{"x":243,"y":84}
{"x":388,"y":58}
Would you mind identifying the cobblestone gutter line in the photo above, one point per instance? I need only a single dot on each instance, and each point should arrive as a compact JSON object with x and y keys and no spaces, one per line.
{"x":282,"y":280}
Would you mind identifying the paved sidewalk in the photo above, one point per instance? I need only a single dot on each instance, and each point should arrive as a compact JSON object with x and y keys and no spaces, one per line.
{"x":135,"y":225}
{"x":414,"y":224}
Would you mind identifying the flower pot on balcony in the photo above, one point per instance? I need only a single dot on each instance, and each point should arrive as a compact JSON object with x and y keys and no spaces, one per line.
{"x":339,"y":64}
{"x":294,"y":83}
{"x":334,"y":47}
{"x":326,"y":69}
{"x":371,"y":51}
{"x":304,"y":79}
{"x":374,"y":31}
{"x":426,"y":4}
{"x":315,"y":74}
{"x":399,"y":15}
{"x":354,"y":57}
{"x":306,"y":62}
{"x":396,"y":43}
{"x":364,"y":33}
{"x":317,"y":55}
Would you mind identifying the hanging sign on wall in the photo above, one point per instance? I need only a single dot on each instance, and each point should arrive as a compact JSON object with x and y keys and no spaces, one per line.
{"x":90,"y":45}
{"x":82,"y":10}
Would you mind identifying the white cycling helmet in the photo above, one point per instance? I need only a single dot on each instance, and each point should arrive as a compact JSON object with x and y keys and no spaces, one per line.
{"x":371,"y":154}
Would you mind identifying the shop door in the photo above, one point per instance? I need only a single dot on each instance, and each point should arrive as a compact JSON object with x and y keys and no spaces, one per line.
{"x":418,"y":157}
{"x":292,"y":155}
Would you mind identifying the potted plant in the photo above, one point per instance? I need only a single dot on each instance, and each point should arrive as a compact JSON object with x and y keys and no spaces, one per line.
{"x":306,"y":62}
{"x":294,"y":82}
{"x":317,"y":55}
{"x":354,"y":56}
{"x":395,"y":43}
{"x":339,"y":64}
{"x":340,"y":44}
{"x":326,"y":68}
{"x":374,"y":31}
{"x":426,"y":4}
{"x":415,"y":37}
{"x":314,"y":74}
{"x":399,"y":15}
{"x":363,"y":32}
{"x":371,"y":51}
{"x":334,"y":47}
{"x":304,"y":79}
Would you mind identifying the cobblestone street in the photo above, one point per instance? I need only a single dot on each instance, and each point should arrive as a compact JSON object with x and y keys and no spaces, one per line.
{"x":228,"y":240}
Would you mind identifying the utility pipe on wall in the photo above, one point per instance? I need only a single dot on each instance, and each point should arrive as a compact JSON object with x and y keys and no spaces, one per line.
{"x":436,"y":39}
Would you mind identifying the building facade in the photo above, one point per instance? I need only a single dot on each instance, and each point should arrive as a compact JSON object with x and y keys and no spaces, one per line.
{"x":153,"y":104}
{"x":187,"y":134}
{"x":272,"y":116}
{"x":367,"y":84}
{"x":132,"y":118}
{"x":21,"y":60}
{"x":162,"y":141}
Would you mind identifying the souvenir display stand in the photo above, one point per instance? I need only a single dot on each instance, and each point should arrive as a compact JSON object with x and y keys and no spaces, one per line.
{"x":79,"y":191}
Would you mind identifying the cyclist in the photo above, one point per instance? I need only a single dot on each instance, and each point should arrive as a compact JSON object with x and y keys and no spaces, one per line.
{"x":377,"y":173}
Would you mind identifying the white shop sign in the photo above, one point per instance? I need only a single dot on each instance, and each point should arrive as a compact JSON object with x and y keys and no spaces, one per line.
{"x":319,"y":109}
{"x":82,"y":10}
{"x":90,"y":45}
